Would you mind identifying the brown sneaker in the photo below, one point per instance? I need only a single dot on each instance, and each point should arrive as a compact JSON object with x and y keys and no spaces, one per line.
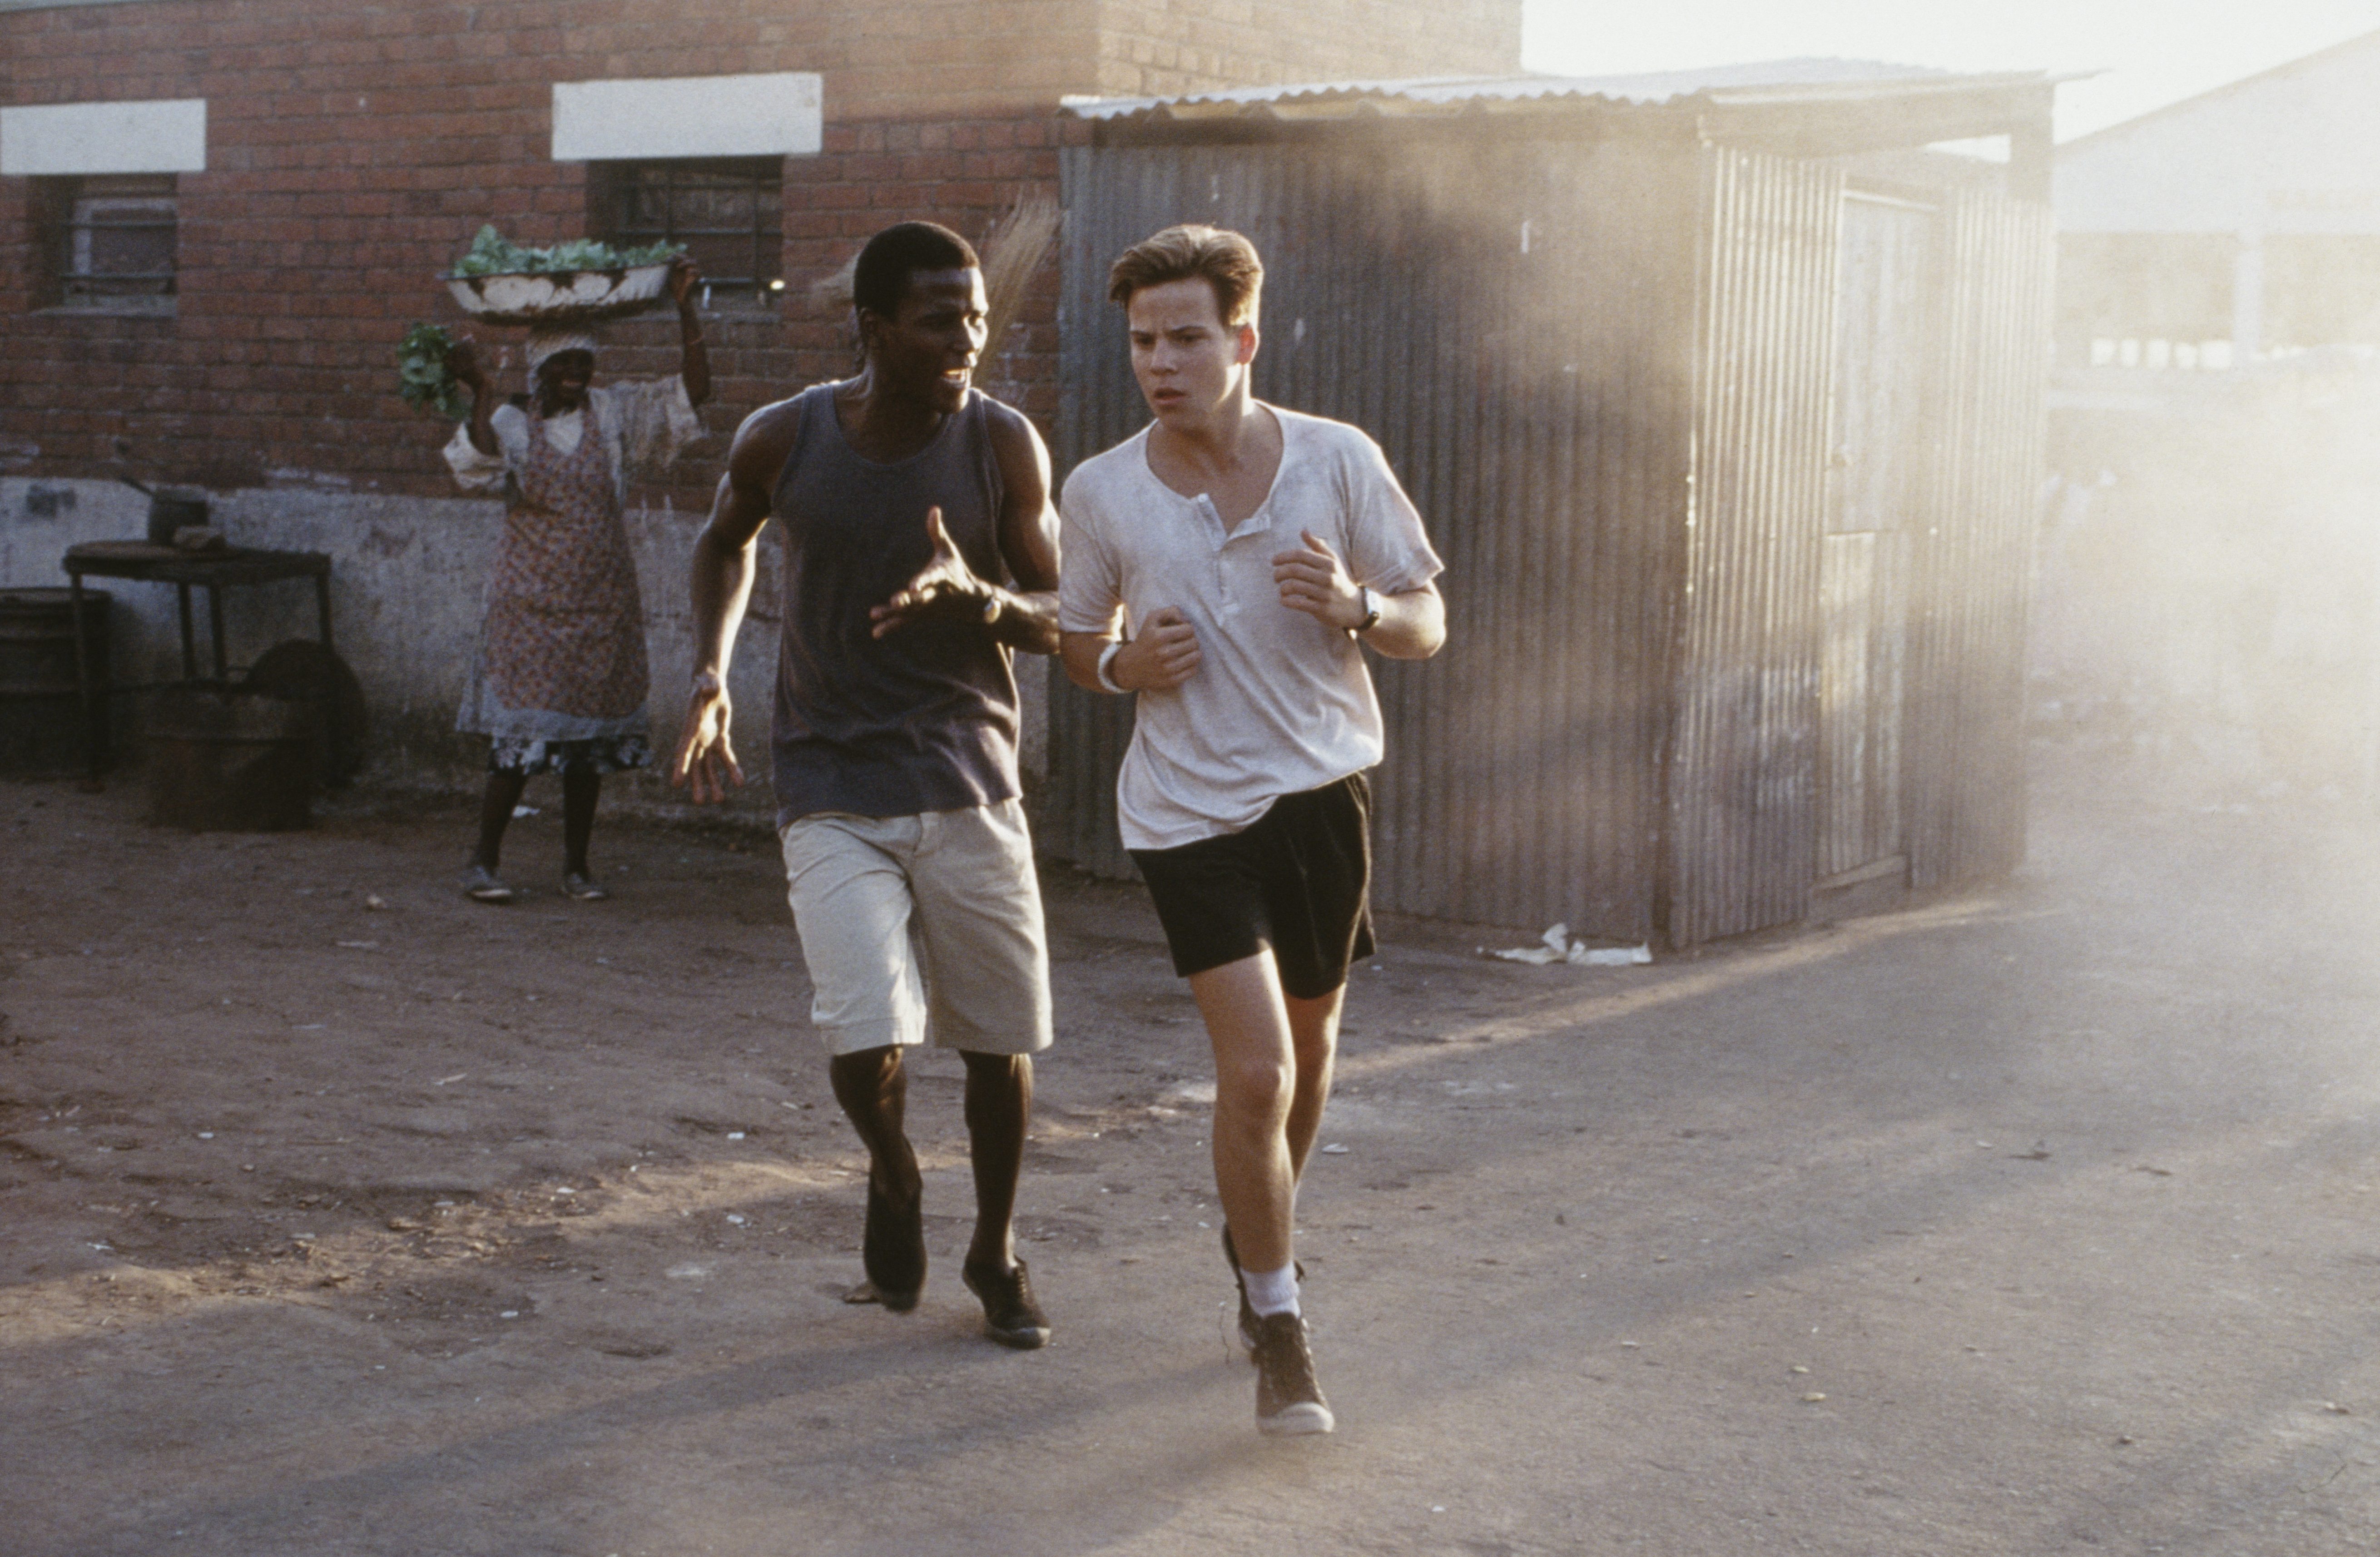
{"x":1289,"y":1402}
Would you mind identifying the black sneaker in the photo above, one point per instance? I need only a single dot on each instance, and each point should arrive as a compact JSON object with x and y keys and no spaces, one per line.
{"x":893,"y":1251}
{"x":1288,"y":1400}
{"x":1010,"y":1315}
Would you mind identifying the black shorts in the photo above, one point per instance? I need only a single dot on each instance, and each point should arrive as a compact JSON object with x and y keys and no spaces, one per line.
{"x":1297,"y":881}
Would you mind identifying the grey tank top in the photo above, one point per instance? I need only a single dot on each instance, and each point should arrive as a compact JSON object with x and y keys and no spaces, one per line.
{"x":923,"y":719}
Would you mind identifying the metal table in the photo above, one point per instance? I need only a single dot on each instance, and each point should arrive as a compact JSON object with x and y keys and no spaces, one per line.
{"x":213,"y":571}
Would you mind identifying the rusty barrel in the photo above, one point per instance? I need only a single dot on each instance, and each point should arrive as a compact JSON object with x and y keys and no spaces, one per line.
{"x":42,"y":731}
{"x":223,"y":759}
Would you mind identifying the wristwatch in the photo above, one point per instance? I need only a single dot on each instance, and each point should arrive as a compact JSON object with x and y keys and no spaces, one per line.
{"x":1371,"y":604}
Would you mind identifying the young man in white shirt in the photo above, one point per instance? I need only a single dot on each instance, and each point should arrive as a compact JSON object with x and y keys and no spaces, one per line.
{"x":1252,"y":554}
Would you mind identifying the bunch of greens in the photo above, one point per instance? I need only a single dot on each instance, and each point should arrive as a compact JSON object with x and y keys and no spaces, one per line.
{"x":423,"y":378}
{"x":492,"y":253}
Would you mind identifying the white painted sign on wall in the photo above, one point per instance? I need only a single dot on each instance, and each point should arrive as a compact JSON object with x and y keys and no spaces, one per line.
{"x":760,"y":115}
{"x":157,"y":136}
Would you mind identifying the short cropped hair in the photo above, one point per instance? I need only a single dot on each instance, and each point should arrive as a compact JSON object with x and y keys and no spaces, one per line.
{"x":1222,"y":259}
{"x":880,"y":278}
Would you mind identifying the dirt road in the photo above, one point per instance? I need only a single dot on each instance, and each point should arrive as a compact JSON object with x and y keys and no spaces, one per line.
{"x":346,"y":1217}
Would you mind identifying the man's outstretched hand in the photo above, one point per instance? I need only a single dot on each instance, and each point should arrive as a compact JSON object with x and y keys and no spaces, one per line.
{"x":705,"y":765}
{"x":945,"y":586}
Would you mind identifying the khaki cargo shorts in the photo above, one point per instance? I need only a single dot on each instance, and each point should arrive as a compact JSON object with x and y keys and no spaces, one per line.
{"x":921,"y":928}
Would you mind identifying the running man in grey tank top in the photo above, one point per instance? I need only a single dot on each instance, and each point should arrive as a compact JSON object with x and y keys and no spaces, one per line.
{"x":921,"y":551}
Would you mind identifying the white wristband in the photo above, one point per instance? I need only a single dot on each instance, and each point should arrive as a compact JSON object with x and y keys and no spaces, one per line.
{"x":1107,"y":658}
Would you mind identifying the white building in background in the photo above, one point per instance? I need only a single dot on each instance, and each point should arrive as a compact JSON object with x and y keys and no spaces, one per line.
{"x":2234,"y":224}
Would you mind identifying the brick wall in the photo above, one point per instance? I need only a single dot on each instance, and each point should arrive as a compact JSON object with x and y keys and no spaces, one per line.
{"x":1165,"y":48}
{"x":351,"y":153}
{"x":353,"y":149}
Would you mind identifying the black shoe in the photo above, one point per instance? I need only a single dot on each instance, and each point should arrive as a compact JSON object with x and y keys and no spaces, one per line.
{"x":1248,"y":1314}
{"x":893,"y":1251}
{"x":1288,"y":1400}
{"x":1010,"y":1315}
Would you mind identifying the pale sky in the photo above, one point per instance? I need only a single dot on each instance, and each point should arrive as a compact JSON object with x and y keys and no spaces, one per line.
{"x":2151,"y":51}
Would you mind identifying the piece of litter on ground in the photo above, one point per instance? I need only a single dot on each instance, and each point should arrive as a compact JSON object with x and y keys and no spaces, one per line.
{"x":734,"y":1219}
{"x":358,"y":945}
{"x":523,"y":810}
{"x":1335,"y":1149}
{"x":735,"y":1135}
{"x":449,"y":1080}
{"x":1556,"y":946}
{"x":206,"y":1134}
{"x":374,"y":900}
{"x":1812,"y":1398}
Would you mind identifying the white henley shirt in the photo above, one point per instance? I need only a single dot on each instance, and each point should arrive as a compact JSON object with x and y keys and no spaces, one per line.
{"x":1280,"y":702}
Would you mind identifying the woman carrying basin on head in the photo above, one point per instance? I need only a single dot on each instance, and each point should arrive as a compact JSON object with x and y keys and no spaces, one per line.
{"x":559,"y":683}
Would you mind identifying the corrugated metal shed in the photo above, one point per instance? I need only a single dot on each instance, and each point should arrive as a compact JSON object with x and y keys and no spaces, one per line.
{"x":1601,"y":329}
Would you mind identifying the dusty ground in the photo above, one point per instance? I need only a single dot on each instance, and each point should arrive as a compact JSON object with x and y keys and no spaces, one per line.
{"x":2034,"y":1222}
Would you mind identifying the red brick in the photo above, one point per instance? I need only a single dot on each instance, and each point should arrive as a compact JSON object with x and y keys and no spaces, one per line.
{"x":353,"y":151}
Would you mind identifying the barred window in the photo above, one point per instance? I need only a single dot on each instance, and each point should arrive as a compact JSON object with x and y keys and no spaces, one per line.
{"x":112,"y":242}
{"x":729,"y":211}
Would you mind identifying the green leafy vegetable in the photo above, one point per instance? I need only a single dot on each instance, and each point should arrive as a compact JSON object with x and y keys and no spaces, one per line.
{"x":492,"y":253}
{"x":423,"y":378}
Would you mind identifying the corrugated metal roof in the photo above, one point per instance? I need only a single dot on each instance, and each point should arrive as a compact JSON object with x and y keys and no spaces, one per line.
{"x":1759,"y":84}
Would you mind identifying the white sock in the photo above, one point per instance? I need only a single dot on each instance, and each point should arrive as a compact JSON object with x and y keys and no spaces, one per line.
{"x":1272,"y":1292}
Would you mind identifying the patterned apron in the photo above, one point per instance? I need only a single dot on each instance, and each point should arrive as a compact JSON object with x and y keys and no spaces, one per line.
{"x":566,"y":625}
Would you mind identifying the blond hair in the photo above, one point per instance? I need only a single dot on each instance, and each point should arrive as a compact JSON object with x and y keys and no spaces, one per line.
{"x":1222,"y":259}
